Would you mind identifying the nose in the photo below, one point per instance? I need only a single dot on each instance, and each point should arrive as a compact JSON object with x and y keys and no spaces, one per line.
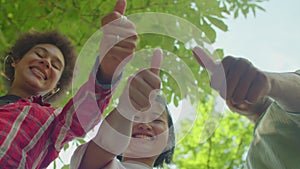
{"x":45,"y":62}
{"x":144,"y":126}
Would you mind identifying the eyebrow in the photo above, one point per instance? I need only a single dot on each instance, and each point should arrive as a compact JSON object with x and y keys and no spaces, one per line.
{"x":56,"y":57}
{"x":162,"y":114}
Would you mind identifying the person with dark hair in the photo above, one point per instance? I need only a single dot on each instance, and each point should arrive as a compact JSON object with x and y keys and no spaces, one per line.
{"x":34,"y":41}
{"x":38,"y":69}
{"x":139,"y":130}
{"x":270,"y":100}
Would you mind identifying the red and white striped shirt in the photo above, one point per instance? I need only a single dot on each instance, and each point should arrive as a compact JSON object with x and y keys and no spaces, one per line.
{"x":33,"y":133}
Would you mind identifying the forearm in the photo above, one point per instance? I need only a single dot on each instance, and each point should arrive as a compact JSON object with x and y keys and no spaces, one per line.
{"x":111,"y":140}
{"x":117,"y":130}
{"x":285,"y":90}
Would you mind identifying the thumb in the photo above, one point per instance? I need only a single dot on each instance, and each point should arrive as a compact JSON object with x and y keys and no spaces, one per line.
{"x":204,"y":60}
{"x":121,"y":6}
{"x":156,"y":61}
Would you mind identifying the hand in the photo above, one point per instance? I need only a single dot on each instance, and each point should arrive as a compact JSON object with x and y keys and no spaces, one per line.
{"x":141,"y":89}
{"x":244,"y":87}
{"x":118,"y":43}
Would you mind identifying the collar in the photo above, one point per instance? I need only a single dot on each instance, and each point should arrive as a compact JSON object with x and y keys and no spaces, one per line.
{"x":7,"y":99}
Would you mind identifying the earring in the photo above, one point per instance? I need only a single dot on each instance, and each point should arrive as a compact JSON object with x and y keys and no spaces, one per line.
{"x":50,"y":94}
{"x":13,"y":64}
{"x":3,"y":74}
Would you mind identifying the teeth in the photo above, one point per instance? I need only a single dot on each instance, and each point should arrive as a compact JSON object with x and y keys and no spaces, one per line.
{"x":144,"y":137}
{"x":39,"y":72}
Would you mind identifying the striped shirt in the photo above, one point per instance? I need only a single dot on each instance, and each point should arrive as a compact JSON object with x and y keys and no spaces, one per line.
{"x":33,"y":132}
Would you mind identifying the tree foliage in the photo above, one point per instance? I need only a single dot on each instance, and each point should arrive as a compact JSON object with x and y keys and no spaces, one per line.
{"x":80,"y":19}
{"x":223,"y":149}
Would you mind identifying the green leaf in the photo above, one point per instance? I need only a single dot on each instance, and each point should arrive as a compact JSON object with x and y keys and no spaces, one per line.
{"x":72,"y":14}
{"x":66,"y":167}
{"x":66,"y":147}
{"x":236,"y":13}
{"x":245,"y":11}
{"x":232,"y":7}
{"x":209,"y":31}
{"x":218,"y":53}
{"x":253,"y":11}
{"x":218,"y":23}
{"x":259,"y":7}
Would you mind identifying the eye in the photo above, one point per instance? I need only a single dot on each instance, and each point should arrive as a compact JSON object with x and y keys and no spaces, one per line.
{"x":56,"y":66}
{"x":158,"y":121}
{"x":38,"y":54}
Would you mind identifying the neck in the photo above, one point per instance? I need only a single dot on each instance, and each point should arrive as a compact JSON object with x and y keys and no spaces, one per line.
{"x":20,"y":92}
{"x":146,"y":161}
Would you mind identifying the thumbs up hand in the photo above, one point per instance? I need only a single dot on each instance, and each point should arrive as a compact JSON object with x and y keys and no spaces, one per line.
{"x":243,"y":86}
{"x":141,"y":89}
{"x":118,"y":43}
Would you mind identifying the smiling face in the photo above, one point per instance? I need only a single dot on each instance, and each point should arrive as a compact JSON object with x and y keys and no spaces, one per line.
{"x":39,"y":70}
{"x":150,"y":134}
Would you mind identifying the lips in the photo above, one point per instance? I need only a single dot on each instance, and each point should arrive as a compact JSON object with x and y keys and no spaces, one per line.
{"x":39,"y":72}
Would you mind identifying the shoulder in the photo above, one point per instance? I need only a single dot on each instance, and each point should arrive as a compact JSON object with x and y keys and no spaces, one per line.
{"x":7,"y":99}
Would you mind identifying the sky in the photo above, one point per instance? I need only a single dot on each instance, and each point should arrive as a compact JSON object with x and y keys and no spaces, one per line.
{"x":271,"y":40}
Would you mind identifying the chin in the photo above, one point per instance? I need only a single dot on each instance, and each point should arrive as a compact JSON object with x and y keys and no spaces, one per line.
{"x":139,"y":154}
{"x":34,"y":84}
{"x":143,"y":150}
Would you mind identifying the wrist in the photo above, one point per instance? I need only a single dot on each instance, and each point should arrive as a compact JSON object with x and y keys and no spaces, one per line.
{"x":260,"y":108}
{"x":106,"y":81}
{"x":251,"y":111}
{"x":102,"y":77}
